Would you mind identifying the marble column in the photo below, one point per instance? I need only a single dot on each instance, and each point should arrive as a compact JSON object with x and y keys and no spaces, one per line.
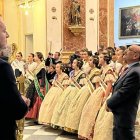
{"x":102,"y":23}
{"x":106,"y":23}
{"x":111,"y":23}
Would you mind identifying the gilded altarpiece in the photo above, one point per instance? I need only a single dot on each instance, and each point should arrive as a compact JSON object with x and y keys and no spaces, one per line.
{"x":71,"y":42}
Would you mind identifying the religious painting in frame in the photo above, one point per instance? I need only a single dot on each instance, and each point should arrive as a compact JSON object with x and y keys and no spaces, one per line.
{"x":129,"y":22}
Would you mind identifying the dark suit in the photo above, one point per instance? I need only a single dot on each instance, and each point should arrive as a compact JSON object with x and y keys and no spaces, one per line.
{"x":12,"y":106}
{"x":49,"y":61}
{"x":124,"y":103}
{"x":50,"y":76}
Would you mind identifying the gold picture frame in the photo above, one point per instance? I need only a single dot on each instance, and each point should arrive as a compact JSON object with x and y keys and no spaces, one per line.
{"x":129,"y":22}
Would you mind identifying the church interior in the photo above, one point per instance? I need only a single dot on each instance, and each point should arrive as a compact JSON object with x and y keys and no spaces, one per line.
{"x":51,"y":26}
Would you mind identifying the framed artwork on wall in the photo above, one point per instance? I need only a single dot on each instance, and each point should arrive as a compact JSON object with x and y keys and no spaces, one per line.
{"x":129,"y":22}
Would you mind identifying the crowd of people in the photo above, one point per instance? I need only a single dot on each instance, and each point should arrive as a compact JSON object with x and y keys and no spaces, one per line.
{"x":94,"y":95}
{"x":65,"y":96}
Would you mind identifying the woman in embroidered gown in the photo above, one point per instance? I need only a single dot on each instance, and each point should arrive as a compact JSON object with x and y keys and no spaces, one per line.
{"x":30,"y":66}
{"x":78,"y":102}
{"x":61,"y":108}
{"x":51,"y":98}
{"x":94,"y":103}
{"x":36,"y":89}
{"x":18,"y":65}
{"x":104,"y":122}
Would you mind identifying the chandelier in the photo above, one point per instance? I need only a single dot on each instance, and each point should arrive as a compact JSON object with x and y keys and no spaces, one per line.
{"x":25,"y":4}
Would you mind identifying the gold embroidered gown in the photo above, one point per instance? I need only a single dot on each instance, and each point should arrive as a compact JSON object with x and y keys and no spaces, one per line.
{"x":92,"y":107}
{"x":104,"y":125}
{"x":50,"y":100}
{"x":60,"y":111}
{"x":78,"y":102}
{"x":103,"y":129}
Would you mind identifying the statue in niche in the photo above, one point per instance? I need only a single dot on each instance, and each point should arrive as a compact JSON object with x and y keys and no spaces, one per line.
{"x":74,"y":14}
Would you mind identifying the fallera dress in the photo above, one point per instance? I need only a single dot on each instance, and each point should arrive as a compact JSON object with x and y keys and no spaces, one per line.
{"x":78,"y":102}
{"x":33,"y":91}
{"x":61,"y":108}
{"x":92,"y":107}
{"x":51,"y":98}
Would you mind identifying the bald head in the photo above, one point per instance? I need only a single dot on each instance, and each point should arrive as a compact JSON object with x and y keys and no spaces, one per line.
{"x":3,"y":35}
{"x":135,"y":48}
{"x":132,"y":54}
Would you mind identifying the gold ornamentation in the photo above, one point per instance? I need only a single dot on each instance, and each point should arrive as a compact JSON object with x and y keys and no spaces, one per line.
{"x":53,"y":9}
{"x":91,"y":11}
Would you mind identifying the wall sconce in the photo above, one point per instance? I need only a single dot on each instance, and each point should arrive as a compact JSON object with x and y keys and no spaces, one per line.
{"x":91,"y":11}
{"x":54,"y":17}
{"x":91,"y":18}
{"x":54,"y":10}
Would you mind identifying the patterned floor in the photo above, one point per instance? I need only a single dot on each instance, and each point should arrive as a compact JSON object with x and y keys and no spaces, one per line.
{"x":40,"y":132}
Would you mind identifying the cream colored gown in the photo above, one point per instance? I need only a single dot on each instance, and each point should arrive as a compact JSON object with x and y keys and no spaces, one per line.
{"x":60,"y":111}
{"x":50,"y":100}
{"x":92,"y":107}
{"x":103,"y":129}
{"x":77,"y":104}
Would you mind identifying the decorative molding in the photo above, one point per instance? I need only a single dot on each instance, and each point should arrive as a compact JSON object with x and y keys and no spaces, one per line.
{"x":53,"y":9}
{"x":65,"y":56}
{"x":91,"y":18}
{"x":77,"y":30}
{"x":110,"y":23}
{"x":54,"y":17}
{"x":91,"y":11}
{"x":103,"y":21}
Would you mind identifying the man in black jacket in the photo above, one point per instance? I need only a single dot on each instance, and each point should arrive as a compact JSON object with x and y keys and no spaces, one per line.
{"x":12,"y":106}
{"x":125,"y":98}
{"x":50,"y":60}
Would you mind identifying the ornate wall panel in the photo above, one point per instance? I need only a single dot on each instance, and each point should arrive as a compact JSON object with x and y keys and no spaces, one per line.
{"x":71,"y":42}
{"x":111,"y":23}
{"x":103,"y":22}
